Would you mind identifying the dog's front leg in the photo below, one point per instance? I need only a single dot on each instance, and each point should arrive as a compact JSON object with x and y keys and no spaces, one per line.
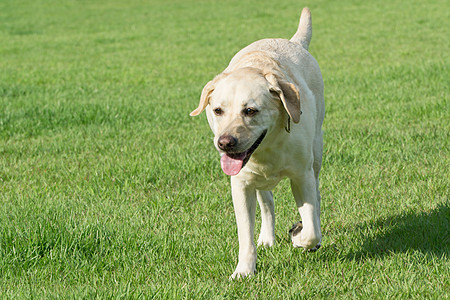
{"x":306,"y":198}
{"x":244,"y":201}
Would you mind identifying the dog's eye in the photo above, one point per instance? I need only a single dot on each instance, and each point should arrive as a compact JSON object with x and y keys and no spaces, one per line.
{"x":250,"y":111}
{"x":218,"y":111}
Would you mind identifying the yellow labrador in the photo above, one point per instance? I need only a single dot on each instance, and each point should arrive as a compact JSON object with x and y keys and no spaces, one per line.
{"x":266,"y":111}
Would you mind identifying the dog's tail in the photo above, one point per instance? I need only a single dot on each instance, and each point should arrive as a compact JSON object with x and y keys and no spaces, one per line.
{"x":304,"y":31}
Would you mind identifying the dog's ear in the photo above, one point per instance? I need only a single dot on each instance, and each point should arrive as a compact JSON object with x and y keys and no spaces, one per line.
{"x":204,"y":99}
{"x":288,"y":94}
{"x":206,"y":94}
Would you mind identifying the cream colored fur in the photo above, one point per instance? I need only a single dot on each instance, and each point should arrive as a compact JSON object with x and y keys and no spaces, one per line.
{"x":282,"y":81}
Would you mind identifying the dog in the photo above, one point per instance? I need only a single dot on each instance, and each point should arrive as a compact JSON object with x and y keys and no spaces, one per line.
{"x":266,"y":111}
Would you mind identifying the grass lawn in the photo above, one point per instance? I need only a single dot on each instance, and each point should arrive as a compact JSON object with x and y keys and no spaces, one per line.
{"x":109,"y":189}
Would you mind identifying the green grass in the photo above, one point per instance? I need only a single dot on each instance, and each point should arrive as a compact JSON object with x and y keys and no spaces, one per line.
{"x":109,"y":189}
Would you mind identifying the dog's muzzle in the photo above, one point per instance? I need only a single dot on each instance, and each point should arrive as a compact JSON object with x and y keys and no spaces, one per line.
{"x":232,"y":162}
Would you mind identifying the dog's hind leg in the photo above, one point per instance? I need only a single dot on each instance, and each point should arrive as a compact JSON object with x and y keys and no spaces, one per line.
{"x":318,"y":152}
{"x":267,"y":234}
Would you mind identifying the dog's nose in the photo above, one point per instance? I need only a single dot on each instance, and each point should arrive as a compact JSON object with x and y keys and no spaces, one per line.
{"x":226,"y":142}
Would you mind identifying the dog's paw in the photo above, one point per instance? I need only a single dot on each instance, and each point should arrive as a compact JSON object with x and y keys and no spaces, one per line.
{"x":241,"y":275}
{"x":315,"y":248}
{"x":299,"y":240}
{"x":295,"y":229}
{"x":266,"y":240}
{"x":243,"y":272}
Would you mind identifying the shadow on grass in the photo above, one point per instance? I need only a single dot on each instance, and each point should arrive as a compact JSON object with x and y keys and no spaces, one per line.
{"x":424,"y":232}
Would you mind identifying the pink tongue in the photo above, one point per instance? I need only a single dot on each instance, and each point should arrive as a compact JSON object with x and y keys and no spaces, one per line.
{"x":232,"y":165}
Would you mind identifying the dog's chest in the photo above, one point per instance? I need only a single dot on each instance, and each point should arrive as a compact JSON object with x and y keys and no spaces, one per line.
{"x":264,"y":181}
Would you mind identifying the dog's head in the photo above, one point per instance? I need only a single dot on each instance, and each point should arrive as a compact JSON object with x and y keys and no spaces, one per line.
{"x":242,"y":108}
